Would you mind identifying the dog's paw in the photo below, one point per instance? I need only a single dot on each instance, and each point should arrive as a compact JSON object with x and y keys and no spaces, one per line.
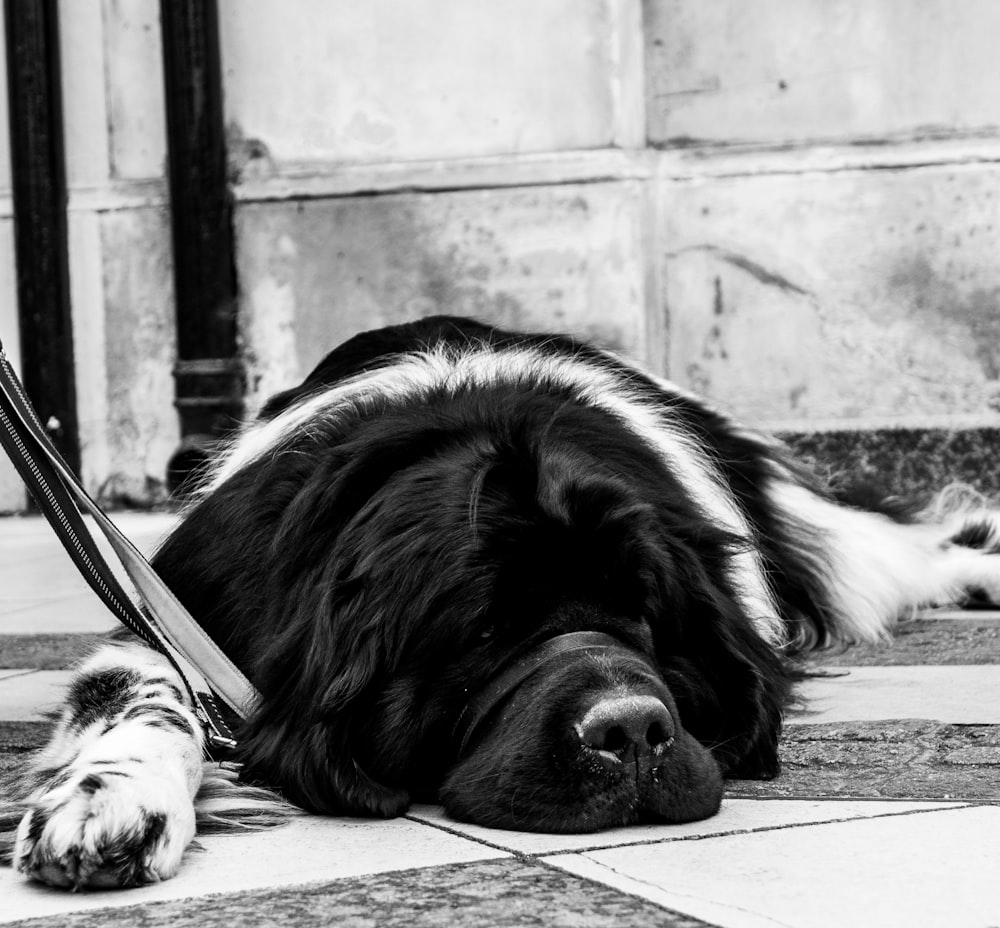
{"x":105,"y":828}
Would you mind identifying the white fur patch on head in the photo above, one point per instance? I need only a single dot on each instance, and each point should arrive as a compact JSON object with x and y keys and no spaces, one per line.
{"x":412,"y":375}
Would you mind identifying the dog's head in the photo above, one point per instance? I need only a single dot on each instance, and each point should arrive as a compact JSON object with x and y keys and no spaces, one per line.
{"x":531,"y":621}
{"x":579,"y":734}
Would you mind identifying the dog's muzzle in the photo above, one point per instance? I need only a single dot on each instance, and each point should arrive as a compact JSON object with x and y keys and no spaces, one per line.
{"x":548,"y":654}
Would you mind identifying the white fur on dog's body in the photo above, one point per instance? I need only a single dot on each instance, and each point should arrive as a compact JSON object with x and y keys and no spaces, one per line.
{"x":876,"y":570}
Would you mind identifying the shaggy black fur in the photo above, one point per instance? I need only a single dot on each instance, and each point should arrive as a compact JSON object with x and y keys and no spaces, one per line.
{"x":378,"y":569}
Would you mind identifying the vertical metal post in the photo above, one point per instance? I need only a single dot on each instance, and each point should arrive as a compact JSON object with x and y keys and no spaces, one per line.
{"x":40,"y":236}
{"x":209,"y":377}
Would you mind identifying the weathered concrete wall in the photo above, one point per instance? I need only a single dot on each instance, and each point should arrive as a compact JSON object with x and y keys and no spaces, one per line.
{"x":139,"y":352}
{"x":828,"y":205}
{"x":852,"y":295}
{"x":566,"y":257}
{"x":320,"y":81}
{"x":483,"y":109}
{"x":122,"y":292}
{"x":12,"y":496}
{"x":119,"y":245}
{"x":770,"y":71}
{"x":121,"y":289}
{"x":823,"y":241}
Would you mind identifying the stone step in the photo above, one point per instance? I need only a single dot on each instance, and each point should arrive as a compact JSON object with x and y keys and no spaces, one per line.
{"x":912,"y":463}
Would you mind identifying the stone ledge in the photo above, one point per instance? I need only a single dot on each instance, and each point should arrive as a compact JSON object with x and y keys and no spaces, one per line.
{"x":47,"y":651}
{"x":892,"y":759}
{"x":924,"y":641}
{"x":912,"y":463}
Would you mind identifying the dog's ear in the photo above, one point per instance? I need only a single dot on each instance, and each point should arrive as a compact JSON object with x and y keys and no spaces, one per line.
{"x":729,"y":684}
{"x":353,"y":591}
{"x":667,"y":565}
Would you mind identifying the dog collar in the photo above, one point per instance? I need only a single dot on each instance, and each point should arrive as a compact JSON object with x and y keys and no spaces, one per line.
{"x":504,"y":683}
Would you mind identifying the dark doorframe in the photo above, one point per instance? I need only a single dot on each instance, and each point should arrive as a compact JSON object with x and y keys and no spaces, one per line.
{"x":209,"y":375}
{"x":40,"y":235}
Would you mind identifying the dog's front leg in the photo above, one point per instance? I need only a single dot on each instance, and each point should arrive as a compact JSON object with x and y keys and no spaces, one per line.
{"x":112,"y":792}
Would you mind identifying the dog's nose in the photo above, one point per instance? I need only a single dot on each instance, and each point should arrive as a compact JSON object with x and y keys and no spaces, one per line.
{"x":627,"y":727}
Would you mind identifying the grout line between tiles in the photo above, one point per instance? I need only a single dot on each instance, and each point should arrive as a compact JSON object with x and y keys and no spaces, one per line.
{"x":629,"y":894}
{"x":757,"y":916}
{"x":765,"y":828}
{"x":520,"y":855}
{"x":18,"y":673}
{"x":539,"y":860}
{"x":818,"y":797}
{"x":938,"y":806}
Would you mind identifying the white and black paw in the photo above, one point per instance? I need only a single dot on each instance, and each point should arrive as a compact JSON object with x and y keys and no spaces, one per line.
{"x":105,"y":827}
{"x":980,"y":532}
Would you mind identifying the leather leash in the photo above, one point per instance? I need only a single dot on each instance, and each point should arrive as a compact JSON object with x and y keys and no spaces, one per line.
{"x":160,"y":620}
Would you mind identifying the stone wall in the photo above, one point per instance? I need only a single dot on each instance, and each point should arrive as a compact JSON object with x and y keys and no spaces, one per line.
{"x":789,"y":207}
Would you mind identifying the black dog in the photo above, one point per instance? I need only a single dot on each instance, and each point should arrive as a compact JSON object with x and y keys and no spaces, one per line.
{"x":506,"y":570}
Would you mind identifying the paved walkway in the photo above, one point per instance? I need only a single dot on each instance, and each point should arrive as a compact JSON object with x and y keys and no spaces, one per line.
{"x":886,"y":813}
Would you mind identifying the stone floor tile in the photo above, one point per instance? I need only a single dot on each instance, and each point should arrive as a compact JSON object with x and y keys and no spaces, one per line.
{"x":309,"y":850}
{"x":146,"y":526}
{"x":960,"y":615}
{"x":968,"y":694}
{"x":49,"y":575}
{"x":25,"y":696}
{"x":19,"y":547}
{"x":761,"y":861}
{"x":738,"y":816}
{"x":972,"y":640}
{"x":906,"y":759}
{"x":32,"y":534}
{"x":81,"y":612}
{"x":488,"y":894}
{"x":42,"y":591}
{"x":924,"y":870}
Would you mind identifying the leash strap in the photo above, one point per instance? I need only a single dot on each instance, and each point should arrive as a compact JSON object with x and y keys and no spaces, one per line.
{"x":498,"y":688}
{"x":161,"y":621}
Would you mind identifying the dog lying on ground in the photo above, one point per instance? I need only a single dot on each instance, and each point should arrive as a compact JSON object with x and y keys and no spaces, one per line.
{"x":506,"y":571}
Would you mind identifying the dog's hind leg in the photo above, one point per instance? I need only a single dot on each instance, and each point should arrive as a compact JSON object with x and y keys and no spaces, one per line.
{"x":866,"y":570}
{"x":111,"y":794}
{"x":969,"y":530}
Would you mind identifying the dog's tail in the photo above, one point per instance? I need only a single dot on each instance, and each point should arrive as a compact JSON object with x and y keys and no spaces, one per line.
{"x":867,"y":568}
